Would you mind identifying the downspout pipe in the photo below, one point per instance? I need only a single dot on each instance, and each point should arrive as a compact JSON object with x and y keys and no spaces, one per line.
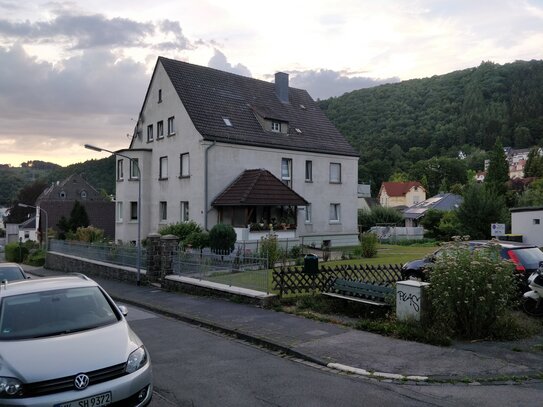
{"x":206,"y":172}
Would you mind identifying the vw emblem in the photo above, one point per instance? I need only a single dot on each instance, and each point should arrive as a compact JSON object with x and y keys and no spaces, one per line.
{"x":81,"y":381}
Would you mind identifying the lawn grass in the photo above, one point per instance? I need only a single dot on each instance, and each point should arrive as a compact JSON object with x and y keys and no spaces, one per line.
{"x":261,"y":280}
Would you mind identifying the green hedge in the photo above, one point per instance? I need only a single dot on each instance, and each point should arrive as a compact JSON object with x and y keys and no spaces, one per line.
{"x":15,"y":252}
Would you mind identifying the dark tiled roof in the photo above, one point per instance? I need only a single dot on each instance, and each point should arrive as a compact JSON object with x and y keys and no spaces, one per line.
{"x":258,"y":188}
{"x":30,"y":223}
{"x":209,"y":95}
{"x":71,"y":189}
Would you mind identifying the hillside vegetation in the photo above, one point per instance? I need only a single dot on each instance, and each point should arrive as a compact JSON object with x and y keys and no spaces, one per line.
{"x":397,"y":125}
{"x":99,"y":173}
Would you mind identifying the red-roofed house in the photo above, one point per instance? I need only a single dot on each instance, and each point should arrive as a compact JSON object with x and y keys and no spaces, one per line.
{"x":406,"y":194}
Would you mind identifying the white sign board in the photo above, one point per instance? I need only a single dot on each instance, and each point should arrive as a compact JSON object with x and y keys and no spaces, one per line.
{"x":497,"y":229}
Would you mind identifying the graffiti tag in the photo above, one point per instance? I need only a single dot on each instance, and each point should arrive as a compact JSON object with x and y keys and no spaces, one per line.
{"x":414,"y":301}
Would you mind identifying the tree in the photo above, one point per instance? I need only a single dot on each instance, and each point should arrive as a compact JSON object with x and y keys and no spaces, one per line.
{"x":481,"y":207}
{"x":534,"y":164}
{"x":222,"y":238}
{"x":533,"y":196}
{"x":430,"y":222}
{"x":78,"y":217}
{"x":498,"y":170}
{"x":27,"y":195}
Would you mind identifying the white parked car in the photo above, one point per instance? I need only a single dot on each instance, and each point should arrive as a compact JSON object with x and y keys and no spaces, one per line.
{"x":65,"y":343}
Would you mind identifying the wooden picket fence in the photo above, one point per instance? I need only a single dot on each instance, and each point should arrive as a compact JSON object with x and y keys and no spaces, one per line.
{"x":294,"y":280}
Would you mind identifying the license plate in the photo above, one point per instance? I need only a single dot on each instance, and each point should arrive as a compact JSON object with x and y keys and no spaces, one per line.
{"x":94,"y":401}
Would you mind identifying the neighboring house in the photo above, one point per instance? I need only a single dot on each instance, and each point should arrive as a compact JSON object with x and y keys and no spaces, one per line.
{"x":365,"y":201}
{"x":528,"y":222}
{"x":440,"y":202}
{"x":480,"y":176}
{"x":516,"y":159}
{"x":204,"y":134}
{"x":28,"y":230}
{"x":397,"y":194}
{"x":58,"y":200}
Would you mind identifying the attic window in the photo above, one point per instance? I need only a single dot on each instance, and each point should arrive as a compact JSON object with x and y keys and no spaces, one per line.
{"x":275,"y":126}
{"x":227,"y":121}
{"x":160,"y":96}
{"x":298,"y":130}
{"x":62,"y":194}
{"x":83,"y":194}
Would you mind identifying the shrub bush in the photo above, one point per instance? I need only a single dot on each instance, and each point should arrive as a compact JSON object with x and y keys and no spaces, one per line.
{"x":198,"y":240}
{"x":16,"y":253}
{"x":181,"y":230}
{"x":36,"y":257}
{"x":269,"y":248}
{"x":89,"y":234}
{"x":222,"y":238}
{"x":471,"y":291}
{"x":368,"y":244}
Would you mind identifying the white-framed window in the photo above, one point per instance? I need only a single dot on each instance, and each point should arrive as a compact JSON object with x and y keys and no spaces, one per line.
{"x":184,"y":165}
{"x":119,"y":212}
{"x":120,"y":170}
{"x":163,"y":211}
{"x":307,"y":217}
{"x":83,"y":194}
{"x":160,"y":130}
{"x":276,"y":127}
{"x":335,"y":173}
{"x":134,"y":168}
{"x":163,"y":170}
{"x":335,"y":213}
{"x":184,"y":211}
{"x":150,"y":133}
{"x":309,"y":171}
{"x":537,"y":221}
{"x":134,"y":210}
{"x":160,"y":96}
{"x":171,"y":125}
{"x":286,"y":171}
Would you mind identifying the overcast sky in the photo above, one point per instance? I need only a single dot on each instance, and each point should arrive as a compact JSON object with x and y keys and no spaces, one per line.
{"x":76,"y":72}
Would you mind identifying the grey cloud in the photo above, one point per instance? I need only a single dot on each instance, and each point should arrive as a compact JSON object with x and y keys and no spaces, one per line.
{"x":219,"y":61}
{"x":91,"y":94}
{"x":325,"y":83}
{"x":91,"y":31}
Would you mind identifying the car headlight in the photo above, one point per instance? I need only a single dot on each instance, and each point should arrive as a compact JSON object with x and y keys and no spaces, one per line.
{"x":10,"y":387}
{"x":136,"y":360}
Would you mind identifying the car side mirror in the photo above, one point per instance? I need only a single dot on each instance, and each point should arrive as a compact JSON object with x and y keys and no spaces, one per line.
{"x":123,"y":310}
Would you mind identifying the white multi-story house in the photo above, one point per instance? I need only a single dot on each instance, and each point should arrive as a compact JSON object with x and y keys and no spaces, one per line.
{"x":215,"y":147}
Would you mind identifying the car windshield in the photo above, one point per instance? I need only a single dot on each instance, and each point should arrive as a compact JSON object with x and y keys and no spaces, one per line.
{"x":11,"y":273}
{"x":55,"y":312}
{"x":530,"y":257}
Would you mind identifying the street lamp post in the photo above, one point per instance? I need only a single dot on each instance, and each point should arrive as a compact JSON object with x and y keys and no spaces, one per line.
{"x":138,"y":242}
{"x":22,"y":205}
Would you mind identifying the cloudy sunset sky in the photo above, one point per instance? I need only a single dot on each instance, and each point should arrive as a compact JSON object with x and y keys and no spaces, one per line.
{"x":76,"y":72}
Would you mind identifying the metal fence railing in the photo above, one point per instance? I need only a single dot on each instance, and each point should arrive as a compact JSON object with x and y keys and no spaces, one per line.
{"x":124,"y":255}
{"x":239,"y":268}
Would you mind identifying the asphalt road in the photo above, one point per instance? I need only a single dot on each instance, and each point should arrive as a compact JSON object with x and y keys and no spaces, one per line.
{"x":196,"y":367}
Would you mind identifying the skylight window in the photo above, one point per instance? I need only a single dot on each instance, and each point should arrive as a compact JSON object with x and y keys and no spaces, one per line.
{"x":303,"y":107}
{"x":227,"y":121}
{"x":298,"y":130}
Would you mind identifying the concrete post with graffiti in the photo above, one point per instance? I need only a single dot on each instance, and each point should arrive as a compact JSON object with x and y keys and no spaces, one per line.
{"x":410,"y":300}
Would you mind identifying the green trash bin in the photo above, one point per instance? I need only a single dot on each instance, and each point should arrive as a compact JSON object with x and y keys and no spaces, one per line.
{"x":311,"y":264}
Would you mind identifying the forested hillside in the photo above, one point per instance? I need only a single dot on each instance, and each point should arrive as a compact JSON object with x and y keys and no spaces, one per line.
{"x":395,"y":126}
{"x":99,"y":173}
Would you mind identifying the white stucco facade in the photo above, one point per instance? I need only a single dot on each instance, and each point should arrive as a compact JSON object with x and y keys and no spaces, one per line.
{"x":528,"y":222}
{"x":212,"y":167}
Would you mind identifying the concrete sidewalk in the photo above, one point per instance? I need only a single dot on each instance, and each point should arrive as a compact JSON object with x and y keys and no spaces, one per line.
{"x":335,"y":346}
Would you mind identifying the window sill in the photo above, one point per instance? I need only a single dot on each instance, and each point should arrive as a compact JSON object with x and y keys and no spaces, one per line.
{"x":308,"y":181}
{"x":160,"y":138}
{"x":133,"y":179}
{"x":171,"y":134}
{"x":163,"y":179}
{"x":133,"y":221}
{"x":335,"y":182}
{"x":150,"y":141}
{"x":120,"y":179}
{"x":184,"y":176}
{"x":334,"y":222}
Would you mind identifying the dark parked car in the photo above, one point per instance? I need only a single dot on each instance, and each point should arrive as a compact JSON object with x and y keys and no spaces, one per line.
{"x":11,"y":272}
{"x":525,"y":257}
